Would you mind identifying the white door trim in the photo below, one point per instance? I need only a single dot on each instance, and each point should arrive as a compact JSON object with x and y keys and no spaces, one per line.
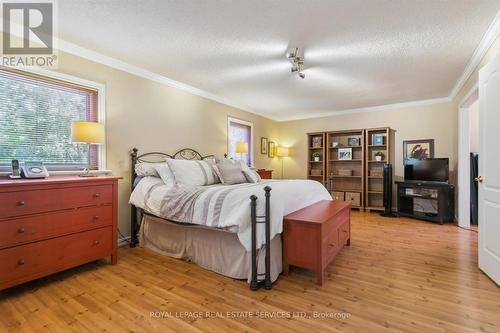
{"x":463,"y":186}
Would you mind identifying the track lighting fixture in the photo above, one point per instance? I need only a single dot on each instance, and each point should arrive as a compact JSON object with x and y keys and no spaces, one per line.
{"x":297,"y":62}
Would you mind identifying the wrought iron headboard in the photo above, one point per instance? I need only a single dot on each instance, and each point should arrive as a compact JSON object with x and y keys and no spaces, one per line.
{"x":159,"y":157}
{"x":155,"y":157}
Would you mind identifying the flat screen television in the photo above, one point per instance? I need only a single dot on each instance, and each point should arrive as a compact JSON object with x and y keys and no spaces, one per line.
{"x":429,"y":170}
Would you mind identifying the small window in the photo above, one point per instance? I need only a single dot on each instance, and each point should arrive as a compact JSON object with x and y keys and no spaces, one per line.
{"x":36,"y":113}
{"x":239,"y":136}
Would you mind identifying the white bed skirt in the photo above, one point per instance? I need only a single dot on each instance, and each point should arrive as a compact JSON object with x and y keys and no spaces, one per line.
{"x":213,"y":249}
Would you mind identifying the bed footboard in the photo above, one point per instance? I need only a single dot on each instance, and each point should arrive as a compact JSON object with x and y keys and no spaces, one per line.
{"x":255,"y":282}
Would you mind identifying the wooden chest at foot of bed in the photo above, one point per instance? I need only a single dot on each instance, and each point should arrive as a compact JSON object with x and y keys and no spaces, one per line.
{"x":314,"y":235}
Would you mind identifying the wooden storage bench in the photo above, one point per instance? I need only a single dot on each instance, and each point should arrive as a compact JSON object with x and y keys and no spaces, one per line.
{"x":314,"y":235}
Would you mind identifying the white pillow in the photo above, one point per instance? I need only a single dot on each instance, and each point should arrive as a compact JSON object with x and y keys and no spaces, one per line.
{"x":193,"y":172}
{"x":251,"y":175}
{"x":147,"y":169}
{"x":165,"y":173}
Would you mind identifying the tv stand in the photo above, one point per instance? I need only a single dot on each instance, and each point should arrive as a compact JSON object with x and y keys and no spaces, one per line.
{"x":431,"y":201}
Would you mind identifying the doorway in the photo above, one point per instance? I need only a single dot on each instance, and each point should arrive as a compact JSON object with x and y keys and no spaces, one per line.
{"x":468,"y":148}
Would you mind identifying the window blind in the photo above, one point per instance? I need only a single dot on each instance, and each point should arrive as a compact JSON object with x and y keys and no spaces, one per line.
{"x":239,"y":132}
{"x":36,"y":113}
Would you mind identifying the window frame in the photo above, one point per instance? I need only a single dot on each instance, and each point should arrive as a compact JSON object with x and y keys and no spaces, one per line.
{"x":241,"y":122}
{"x":101,"y":108}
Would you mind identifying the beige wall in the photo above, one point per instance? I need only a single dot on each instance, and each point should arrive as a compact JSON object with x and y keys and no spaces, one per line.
{"x":154,"y":117}
{"x":436,"y":122}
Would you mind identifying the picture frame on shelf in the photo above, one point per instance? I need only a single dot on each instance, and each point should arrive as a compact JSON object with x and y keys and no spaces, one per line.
{"x":418,"y":149}
{"x":271,"y":148}
{"x":345,"y":154}
{"x":264,"y":142}
{"x":317,"y":142}
{"x":378,"y":139}
{"x":353,"y":141}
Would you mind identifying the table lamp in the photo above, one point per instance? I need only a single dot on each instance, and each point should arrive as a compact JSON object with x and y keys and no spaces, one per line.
{"x":87,"y":132}
{"x":282,"y":152}
{"x":241,"y":148}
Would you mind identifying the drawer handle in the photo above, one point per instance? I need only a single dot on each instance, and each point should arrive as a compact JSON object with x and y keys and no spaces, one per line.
{"x":344,"y":231}
{"x":96,"y":242}
{"x":21,"y":230}
{"x":21,"y":203}
{"x":96,"y":217}
{"x":332,"y":244}
{"x":97,"y":195}
{"x":20,"y":262}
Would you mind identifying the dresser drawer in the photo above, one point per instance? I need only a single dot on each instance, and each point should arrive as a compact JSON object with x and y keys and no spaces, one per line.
{"x":330,"y":247}
{"x":344,"y":233}
{"x":25,"y":202}
{"x":21,"y":230}
{"x":27,"y":262}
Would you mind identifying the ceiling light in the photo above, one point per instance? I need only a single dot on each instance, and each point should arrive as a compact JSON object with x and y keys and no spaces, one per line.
{"x":297,"y":62}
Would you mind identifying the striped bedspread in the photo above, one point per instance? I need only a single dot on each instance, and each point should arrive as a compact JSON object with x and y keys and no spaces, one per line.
{"x":228,"y":206}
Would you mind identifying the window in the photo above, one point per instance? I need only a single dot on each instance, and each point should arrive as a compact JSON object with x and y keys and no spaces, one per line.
{"x":36,"y":113}
{"x":240,"y":131}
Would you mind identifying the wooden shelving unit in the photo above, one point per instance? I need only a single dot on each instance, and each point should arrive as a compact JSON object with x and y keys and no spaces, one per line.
{"x":374,"y":180}
{"x":359,"y":181}
{"x":316,"y":169}
{"x":348,"y":186}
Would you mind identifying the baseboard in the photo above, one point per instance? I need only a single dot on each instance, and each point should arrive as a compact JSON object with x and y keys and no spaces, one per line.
{"x":123,"y":241}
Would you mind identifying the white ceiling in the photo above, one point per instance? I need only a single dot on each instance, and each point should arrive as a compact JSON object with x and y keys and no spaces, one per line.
{"x":358,"y":53}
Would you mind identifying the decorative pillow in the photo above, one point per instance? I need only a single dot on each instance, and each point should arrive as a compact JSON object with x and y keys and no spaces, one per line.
{"x":230,"y":173}
{"x":147,"y":169}
{"x":164,"y":172}
{"x":193,"y":172}
{"x":251,"y":175}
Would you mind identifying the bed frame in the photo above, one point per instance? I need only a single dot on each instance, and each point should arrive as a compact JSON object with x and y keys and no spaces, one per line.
{"x":257,"y":280}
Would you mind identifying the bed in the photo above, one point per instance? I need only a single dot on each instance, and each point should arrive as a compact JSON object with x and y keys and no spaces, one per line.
{"x":217,"y":226}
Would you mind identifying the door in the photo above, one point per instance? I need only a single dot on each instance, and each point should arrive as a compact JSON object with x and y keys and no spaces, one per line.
{"x":489,"y":170}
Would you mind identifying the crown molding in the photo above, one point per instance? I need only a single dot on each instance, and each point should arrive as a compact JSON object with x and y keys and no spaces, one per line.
{"x":486,"y":42}
{"x":386,"y":107}
{"x":144,"y":73}
{"x":100,"y":58}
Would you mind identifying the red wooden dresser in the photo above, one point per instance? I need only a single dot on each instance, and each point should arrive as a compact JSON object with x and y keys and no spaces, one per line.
{"x":49,"y":225}
{"x":314,"y":235}
{"x":265,"y":174}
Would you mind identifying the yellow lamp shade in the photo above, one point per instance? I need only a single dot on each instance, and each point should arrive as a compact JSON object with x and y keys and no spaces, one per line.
{"x":87,"y":132}
{"x":242,"y":147}
{"x":282,"y":152}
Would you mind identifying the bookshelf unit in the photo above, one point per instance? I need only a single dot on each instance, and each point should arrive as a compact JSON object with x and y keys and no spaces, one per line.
{"x":346,"y":176}
{"x":316,"y":145}
{"x":376,"y":140}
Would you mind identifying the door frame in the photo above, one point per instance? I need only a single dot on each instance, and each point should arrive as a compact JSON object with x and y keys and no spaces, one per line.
{"x":463,"y":185}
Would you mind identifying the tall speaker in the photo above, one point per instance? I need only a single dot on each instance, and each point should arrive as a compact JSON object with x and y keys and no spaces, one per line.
{"x":388,"y":191}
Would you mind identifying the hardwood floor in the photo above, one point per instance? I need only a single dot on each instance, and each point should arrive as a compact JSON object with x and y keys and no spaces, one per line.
{"x":397,"y":275}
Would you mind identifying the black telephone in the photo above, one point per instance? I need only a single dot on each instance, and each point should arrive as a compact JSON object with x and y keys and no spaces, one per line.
{"x":15,"y":170}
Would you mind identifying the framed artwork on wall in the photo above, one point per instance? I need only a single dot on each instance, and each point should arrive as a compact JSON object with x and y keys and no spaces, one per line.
{"x":270,"y":150}
{"x":263,"y":145}
{"x":418,"y":149}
